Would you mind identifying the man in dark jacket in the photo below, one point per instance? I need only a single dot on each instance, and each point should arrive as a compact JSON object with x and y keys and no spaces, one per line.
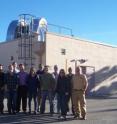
{"x":11,"y":81}
{"x":1,"y":89}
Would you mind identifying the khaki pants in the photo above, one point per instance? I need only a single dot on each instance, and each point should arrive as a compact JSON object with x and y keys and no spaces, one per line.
{"x":79,"y":102}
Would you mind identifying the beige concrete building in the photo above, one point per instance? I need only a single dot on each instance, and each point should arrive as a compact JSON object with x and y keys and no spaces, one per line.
{"x":98,"y":61}
{"x":29,"y":42}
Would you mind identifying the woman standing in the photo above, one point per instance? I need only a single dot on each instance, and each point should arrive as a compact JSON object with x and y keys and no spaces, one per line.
{"x":33,"y":85}
{"x":63,"y":91}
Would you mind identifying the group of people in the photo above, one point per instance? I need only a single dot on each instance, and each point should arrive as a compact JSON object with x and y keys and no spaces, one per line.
{"x":40,"y":85}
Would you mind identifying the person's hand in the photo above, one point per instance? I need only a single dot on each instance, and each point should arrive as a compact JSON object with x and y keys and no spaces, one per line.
{"x":84,"y":91}
{"x":66,"y":93}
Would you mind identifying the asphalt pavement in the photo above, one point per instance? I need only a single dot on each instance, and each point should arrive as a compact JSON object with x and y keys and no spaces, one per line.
{"x":100,"y":110}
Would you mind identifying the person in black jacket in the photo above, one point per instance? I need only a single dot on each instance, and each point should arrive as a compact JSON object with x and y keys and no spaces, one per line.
{"x":63,"y":91}
{"x":33,"y":85}
{"x":1,"y":89}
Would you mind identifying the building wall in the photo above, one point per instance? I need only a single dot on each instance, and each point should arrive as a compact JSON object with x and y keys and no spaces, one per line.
{"x":10,"y":50}
{"x":100,"y":58}
{"x":7,"y":51}
{"x":101,"y":64}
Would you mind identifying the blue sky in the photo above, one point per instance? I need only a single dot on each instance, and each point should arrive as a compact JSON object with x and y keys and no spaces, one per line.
{"x":89,"y":19}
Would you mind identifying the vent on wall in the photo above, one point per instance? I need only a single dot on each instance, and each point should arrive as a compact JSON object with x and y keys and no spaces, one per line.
{"x":63,"y":51}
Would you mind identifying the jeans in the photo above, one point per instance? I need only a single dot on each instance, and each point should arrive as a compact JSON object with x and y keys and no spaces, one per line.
{"x":56,"y":102}
{"x":12,"y":94}
{"x":46,"y":94}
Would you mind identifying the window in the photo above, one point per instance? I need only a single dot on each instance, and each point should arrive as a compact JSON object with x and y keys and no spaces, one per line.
{"x":63,"y":51}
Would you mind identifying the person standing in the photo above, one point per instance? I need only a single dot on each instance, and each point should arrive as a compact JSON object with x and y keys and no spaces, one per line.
{"x":69,"y":97}
{"x":2,"y":75}
{"x":33,"y":85}
{"x":39,"y":72}
{"x":62,"y":89}
{"x":47,"y":88}
{"x":22,"y":89}
{"x":55,"y":76}
{"x":11,"y":81}
{"x":79,"y":87}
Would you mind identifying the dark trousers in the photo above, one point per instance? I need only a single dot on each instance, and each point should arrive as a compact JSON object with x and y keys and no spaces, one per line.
{"x":22,"y":95}
{"x":38,"y":100}
{"x":63,"y":104}
{"x":46,"y":94}
{"x":1,"y":100}
{"x":34,"y":96}
{"x":58,"y":103}
{"x":12,"y":95}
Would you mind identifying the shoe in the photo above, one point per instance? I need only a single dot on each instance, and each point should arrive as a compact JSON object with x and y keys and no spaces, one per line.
{"x":29,"y":112}
{"x":83,"y":118}
{"x":38,"y":110}
{"x":35,"y":112}
{"x":9,"y":113}
{"x":24,"y":112}
{"x":17,"y":111}
{"x":64,"y":117}
{"x":59,"y":116}
{"x":41,"y":112}
{"x":51,"y":113}
{"x":2,"y":112}
{"x":14,"y":113}
{"x":76,"y":116}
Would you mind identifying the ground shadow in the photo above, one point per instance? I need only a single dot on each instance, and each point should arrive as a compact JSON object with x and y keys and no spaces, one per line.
{"x":105,"y":110}
{"x":27,"y":119}
{"x":98,"y":77}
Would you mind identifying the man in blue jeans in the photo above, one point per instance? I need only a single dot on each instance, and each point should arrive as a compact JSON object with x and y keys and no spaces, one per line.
{"x":56,"y":96}
{"x":47,"y":89}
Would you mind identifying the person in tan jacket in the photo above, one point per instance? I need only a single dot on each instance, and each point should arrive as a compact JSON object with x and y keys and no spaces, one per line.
{"x":79,"y":86}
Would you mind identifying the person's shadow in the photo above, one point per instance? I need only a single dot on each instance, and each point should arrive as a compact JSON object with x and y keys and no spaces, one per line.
{"x":21,"y":118}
